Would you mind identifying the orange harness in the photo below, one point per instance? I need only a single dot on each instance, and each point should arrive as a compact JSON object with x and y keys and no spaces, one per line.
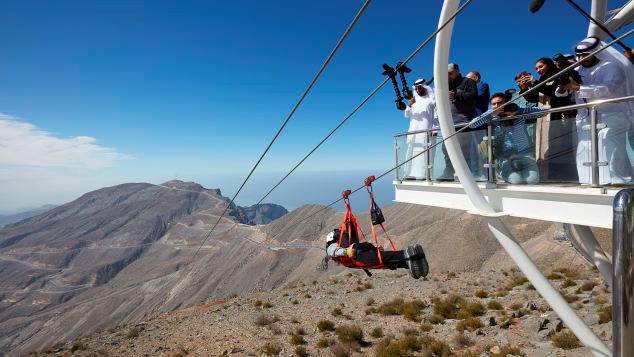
{"x":349,"y":225}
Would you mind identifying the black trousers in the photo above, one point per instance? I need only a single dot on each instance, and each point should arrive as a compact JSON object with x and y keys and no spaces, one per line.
{"x":367,"y":253}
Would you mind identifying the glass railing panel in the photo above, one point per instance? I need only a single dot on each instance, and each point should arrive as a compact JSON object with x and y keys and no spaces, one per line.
{"x":514,"y":151}
{"x":474,"y":148}
{"x":413,"y":146}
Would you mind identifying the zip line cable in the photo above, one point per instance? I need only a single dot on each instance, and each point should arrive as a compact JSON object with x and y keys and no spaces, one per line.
{"x":364,"y":101}
{"x":289,"y":116}
{"x":475,"y":119}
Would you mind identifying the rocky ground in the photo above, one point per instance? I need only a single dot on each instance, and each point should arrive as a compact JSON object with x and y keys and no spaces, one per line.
{"x":493,"y":312}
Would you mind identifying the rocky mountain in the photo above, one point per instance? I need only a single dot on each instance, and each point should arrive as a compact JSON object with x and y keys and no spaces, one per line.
{"x":6,"y":219}
{"x":260,"y":214}
{"x":123,"y":254}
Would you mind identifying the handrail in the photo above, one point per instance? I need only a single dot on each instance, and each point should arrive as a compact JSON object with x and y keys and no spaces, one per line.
{"x":598,"y":102}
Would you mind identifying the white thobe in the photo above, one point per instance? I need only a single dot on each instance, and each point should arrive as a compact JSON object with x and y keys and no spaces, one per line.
{"x":605,"y":80}
{"x":423,"y":116}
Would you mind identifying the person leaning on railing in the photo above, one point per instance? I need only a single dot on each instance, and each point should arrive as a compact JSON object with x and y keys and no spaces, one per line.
{"x":512,"y":149}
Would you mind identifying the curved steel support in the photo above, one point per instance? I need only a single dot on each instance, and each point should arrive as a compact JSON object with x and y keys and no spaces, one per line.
{"x":584,"y":241}
{"x":599,"y":7}
{"x":497,"y":227}
{"x":622,"y":18}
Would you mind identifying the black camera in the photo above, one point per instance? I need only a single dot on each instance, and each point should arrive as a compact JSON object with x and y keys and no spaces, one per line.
{"x":562,"y":61}
{"x":511,"y":107}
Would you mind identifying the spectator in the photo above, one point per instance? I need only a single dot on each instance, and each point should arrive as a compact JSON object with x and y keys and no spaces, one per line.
{"x":514,"y":155}
{"x":462,"y":93}
{"x":421,"y":110}
{"x":554,"y":138}
{"x":482,"y":98}
{"x":608,"y":74}
{"x":524,"y":81}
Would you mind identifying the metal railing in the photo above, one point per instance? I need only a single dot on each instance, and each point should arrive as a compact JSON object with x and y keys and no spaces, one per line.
{"x":623,"y":275}
{"x":594,"y":127}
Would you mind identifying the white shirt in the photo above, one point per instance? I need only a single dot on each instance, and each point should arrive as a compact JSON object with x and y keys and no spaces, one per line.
{"x":422,"y":113}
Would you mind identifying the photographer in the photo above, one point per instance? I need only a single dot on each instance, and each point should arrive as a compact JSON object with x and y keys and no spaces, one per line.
{"x":463,"y":92}
{"x":605,"y":75}
{"x":421,"y":110}
{"x":554,"y":138}
{"x":513,"y":152}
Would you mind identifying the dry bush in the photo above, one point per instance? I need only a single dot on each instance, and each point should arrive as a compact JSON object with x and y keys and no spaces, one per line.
{"x":324,"y":342}
{"x":300,"y":351}
{"x":77,"y":346}
{"x":588,"y":286}
{"x":605,"y":314}
{"x":297,"y":340}
{"x":570,"y":298}
{"x":358,"y":288}
{"x":271,"y":349}
{"x":461,"y":340}
{"x":471,"y":324}
{"x":398,"y":348}
{"x":516,"y":280}
{"x":410,"y":310}
{"x":264,"y":320}
{"x":494,"y":305}
{"x":348,"y":317}
{"x":132,"y":333}
{"x":371,"y":310}
{"x":501,"y":293}
{"x":434,"y":347}
{"x":257,"y":303}
{"x":307,"y":296}
{"x":408,"y":331}
{"x":336,"y":312}
{"x":516,"y":306}
{"x":340,"y":350}
{"x":295,"y":302}
{"x":349,"y":334}
{"x":600,"y":300}
{"x":300,"y":331}
{"x":369,"y":302}
{"x":326,"y":325}
{"x":426,"y":327}
{"x":568,"y":283}
{"x":368,"y":285}
{"x":435,"y":319}
{"x":567,"y":272}
{"x":376,"y":332}
{"x":455,"y":307}
{"x":554,"y":276}
{"x":565,"y":340}
{"x":481,"y":294}
{"x":508,"y":350}
{"x":451,"y":275}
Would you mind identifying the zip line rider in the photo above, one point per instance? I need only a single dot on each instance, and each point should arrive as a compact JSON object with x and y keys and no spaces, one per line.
{"x":344,"y":247}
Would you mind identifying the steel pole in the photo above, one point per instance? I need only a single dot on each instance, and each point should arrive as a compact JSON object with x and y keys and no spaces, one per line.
{"x":623,"y":279}
{"x":594,"y":147}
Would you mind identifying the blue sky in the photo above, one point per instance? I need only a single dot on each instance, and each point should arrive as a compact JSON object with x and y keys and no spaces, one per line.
{"x":195,"y":89}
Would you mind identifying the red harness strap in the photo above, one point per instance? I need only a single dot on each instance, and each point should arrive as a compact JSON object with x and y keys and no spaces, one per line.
{"x":349,"y":225}
{"x":368,"y":185}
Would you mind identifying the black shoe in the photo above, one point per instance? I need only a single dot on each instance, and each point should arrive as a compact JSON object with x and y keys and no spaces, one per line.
{"x":416,"y":261}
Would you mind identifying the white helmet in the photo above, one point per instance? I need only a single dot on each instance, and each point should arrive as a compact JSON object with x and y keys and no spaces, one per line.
{"x":330,"y":238}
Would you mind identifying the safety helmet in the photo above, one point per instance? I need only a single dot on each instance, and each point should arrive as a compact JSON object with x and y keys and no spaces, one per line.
{"x":332,"y":237}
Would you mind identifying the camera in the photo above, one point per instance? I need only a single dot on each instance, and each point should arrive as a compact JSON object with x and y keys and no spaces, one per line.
{"x":562,"y":61}
{"x":511,"y":107}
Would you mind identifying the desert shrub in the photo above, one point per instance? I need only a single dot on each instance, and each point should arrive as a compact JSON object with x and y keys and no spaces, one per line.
{"x":297,"y":340}
{"x":555,"y":276}
{"x":276,"y":330}
{"x":471,"y":324}
{"x":336,"y":312}
{"x":501,"y":293}
{"x":324,"y":342}
{"x":300,"y":331}
{"x":271,"y":349}
{"x":358,"y":288}
{"x":376,"y":332}
{"x":494,"y":305}
{"x":437,"y":348}
{"x":481,"y":294}
{"x":348,"y":317}
{"x":461,"y":340}
{"x":570,"y":298}
{"x":398,"y":348}
{"x":264,"y":320}
{"x":132,"y":333}
{"x":370,"y":310}
{"x":326,"y":325}
{"x":451,"y":275}
{"x":77,"y":346}
{"x":435,"y":319}
{"x":295,"y":302}
{"x":508,"y":350}
{"x":340,"y":350}
{"x":410,"y":310}
{"x":426,"y":327}
{"x":605,"y":314}
{"x":349,"y":334}
{"x":368,"y":285}
{"x":565,"y":340}
{"x":408,"y":331}
{"x":455,"y":307}
{"x":530,"y":287}
{"x":515,"y":306}
{"x":300,"y":351}
{"x":600,"y":300}
{"x":516,"y":280}
{"x":369,"y":302}
{"x":257,"y":303}
{"x":588,"y":286}
{"x":568,"y":283}
{"x":567,"y":272}
{"x":307,"y":296}
{"x":267,"y":305}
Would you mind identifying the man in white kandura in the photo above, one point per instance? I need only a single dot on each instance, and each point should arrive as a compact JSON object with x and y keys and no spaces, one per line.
{"x":421,"y":110}
{"x":605,"y":75}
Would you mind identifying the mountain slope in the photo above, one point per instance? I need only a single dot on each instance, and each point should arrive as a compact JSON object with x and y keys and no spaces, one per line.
{"x":6,"y":219}
{"x":120,"y":255}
